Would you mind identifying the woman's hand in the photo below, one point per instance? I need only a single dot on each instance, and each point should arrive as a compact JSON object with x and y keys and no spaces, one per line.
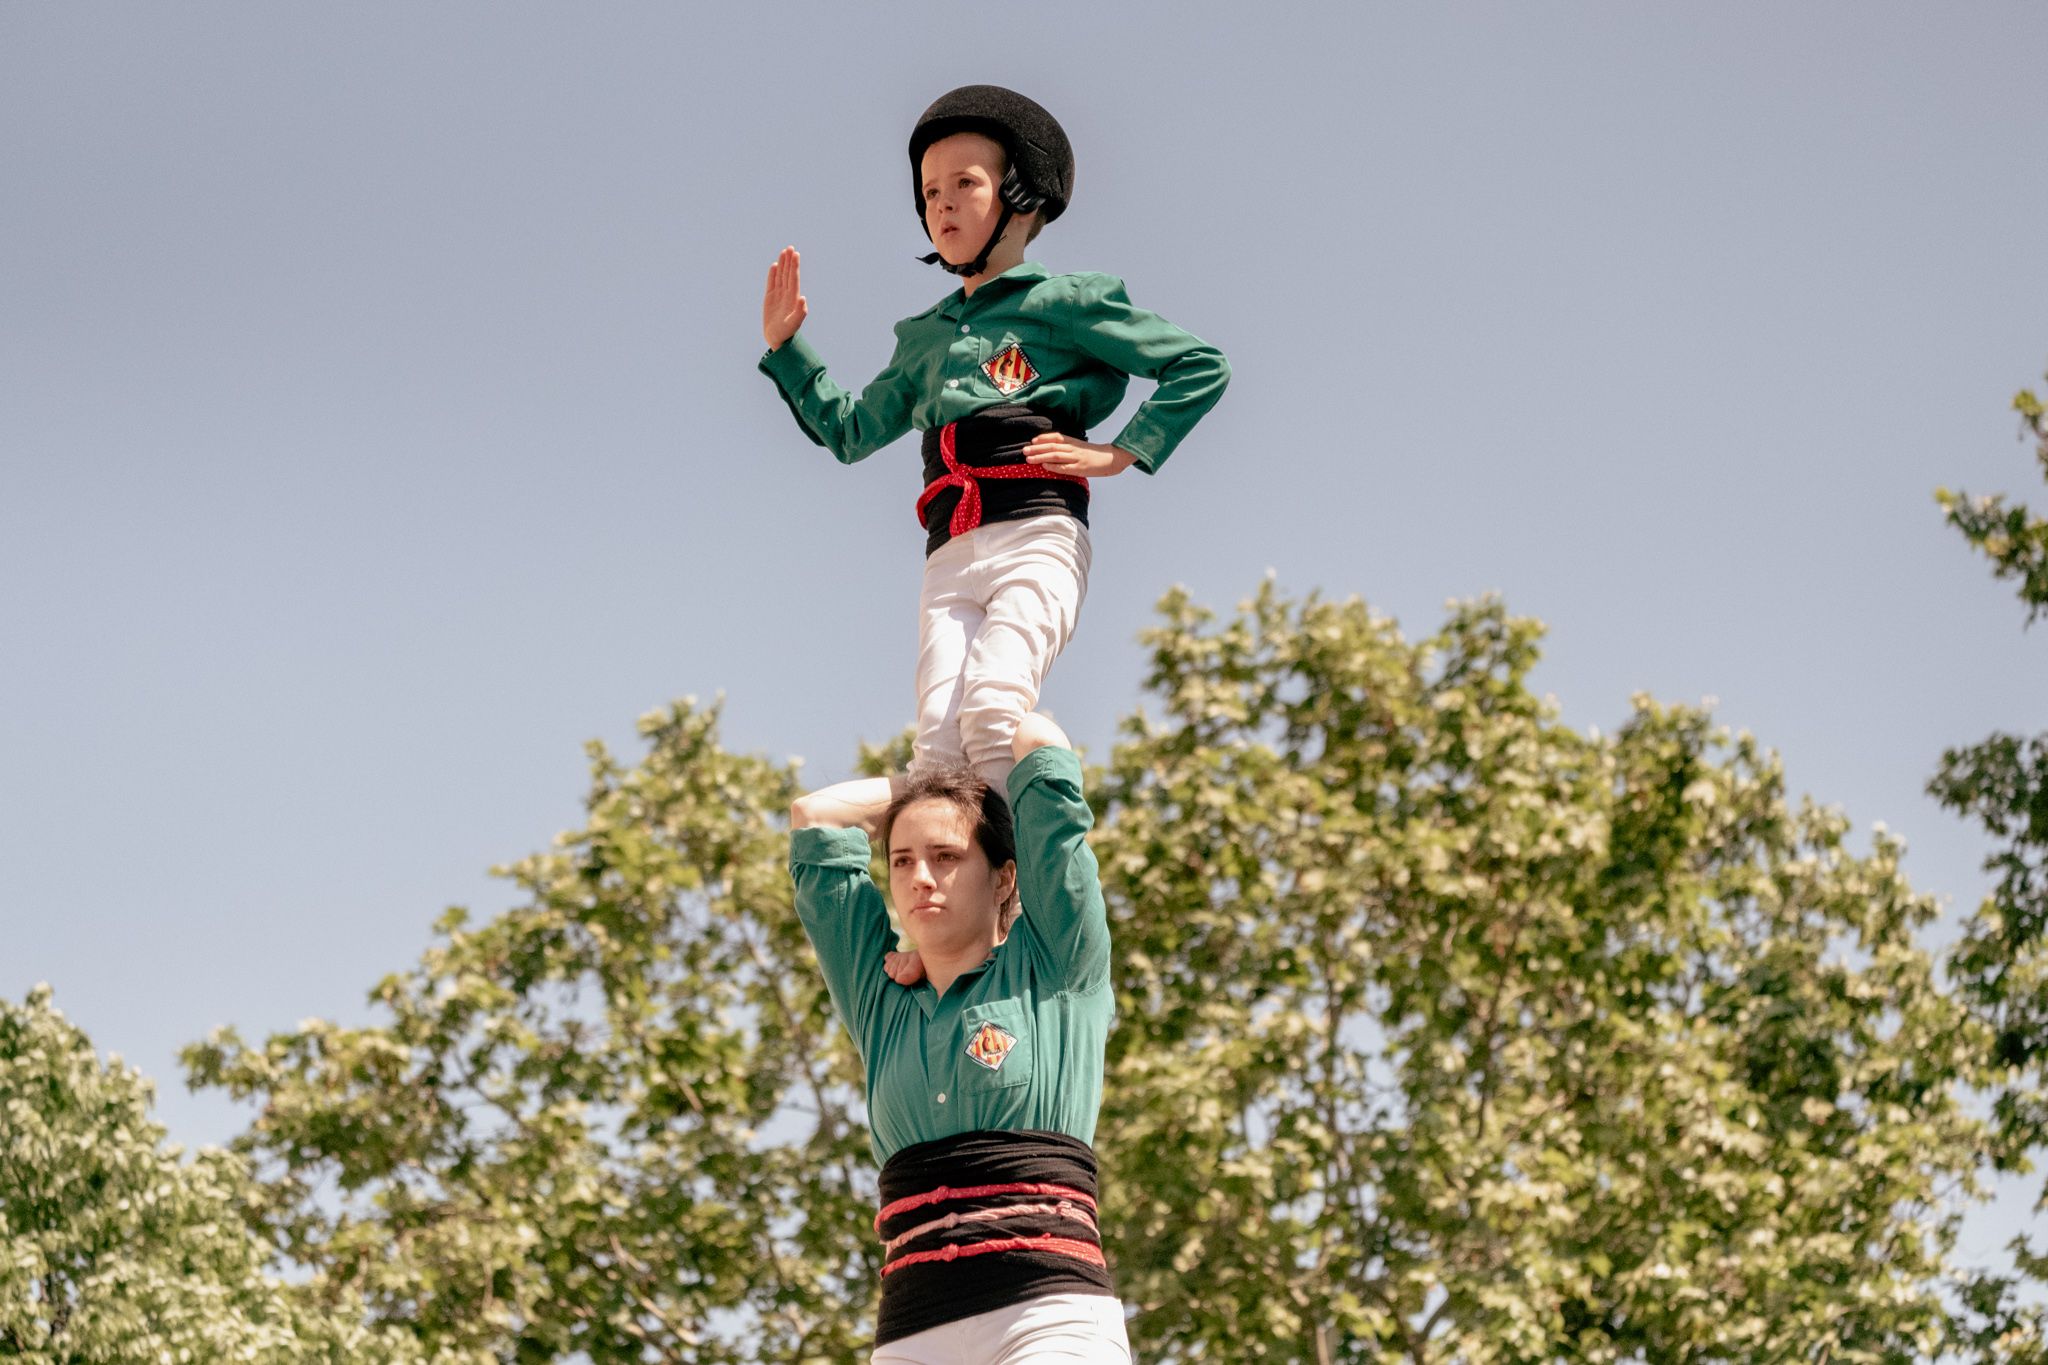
{"x":1066,"y":455}
{"x":783,"y":307}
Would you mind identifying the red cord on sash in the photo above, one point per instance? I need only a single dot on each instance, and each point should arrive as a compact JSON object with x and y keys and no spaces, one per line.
{"x":967,"y":513}
{"x":1060,"y":1246}
{"x":1066,"y":1209}
{"x":945,"y":1192}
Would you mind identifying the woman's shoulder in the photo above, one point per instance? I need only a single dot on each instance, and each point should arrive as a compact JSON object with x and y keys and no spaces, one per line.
{"x":829,"y":846}
{"x":1049,"y":765}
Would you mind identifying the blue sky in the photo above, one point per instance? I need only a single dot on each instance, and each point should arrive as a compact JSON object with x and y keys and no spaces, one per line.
{"x":378,"y":419}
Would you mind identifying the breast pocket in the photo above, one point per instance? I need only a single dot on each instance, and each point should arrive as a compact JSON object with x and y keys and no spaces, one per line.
{"x":996,"y":1042}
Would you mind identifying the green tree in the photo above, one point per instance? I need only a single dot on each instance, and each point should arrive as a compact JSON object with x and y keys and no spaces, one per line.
{"x":2001,"y":962}
{"x":616,"y":1120}
{"x":114,"y":1250}
{"x":1447,"y":1033}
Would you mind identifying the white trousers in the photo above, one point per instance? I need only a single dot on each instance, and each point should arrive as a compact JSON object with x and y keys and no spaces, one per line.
{"x":1055,"y":1329}
{"x":998,"y":605}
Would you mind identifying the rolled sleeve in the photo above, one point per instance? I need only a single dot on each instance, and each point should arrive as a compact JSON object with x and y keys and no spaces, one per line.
{"x":1064,"y":913}
{"x":842,"y":911}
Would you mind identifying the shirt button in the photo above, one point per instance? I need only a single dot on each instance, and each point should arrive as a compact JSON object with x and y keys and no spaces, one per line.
{"x":952,"y":383}
{"x":942,"y":1097}
{"x":963,"y":329}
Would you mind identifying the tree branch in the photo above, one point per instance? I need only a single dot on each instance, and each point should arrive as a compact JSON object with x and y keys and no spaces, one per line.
{"x":59,"y":1302}
{"x":1491,"y":1022}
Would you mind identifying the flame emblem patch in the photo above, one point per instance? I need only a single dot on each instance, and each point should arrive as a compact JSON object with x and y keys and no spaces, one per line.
{"x":990,"y":1045}
{"x":1009,"y":369}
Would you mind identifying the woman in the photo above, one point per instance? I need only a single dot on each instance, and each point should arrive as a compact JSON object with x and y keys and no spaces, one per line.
{"x":983,"y":1079}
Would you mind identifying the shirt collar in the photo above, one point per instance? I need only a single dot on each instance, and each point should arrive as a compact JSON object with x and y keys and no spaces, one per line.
{"x":1025,"y":274}
{"x":928,"y":997}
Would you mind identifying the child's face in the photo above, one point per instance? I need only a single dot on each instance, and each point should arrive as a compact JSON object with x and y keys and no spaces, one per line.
{"x":961,"y":174}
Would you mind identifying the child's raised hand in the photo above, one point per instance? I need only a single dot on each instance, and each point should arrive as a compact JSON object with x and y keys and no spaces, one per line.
{"x":1063,"y":453}
{"x":905,"y":969}
{"x":783,"y":307}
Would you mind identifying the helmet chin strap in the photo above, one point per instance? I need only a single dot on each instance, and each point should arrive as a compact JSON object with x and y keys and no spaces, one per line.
{"x":979,"y":263}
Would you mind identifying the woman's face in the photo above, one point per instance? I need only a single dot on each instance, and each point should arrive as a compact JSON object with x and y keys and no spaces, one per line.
{"x":949,"y":898}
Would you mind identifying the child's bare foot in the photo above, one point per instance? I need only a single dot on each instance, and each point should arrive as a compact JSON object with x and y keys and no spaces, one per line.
{"x":905,"y":969}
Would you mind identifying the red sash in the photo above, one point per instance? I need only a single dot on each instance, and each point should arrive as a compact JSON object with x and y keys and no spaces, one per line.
{"x":967,"y":512}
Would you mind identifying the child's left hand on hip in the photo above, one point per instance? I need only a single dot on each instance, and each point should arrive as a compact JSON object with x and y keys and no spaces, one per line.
{"x":1066,"y":455}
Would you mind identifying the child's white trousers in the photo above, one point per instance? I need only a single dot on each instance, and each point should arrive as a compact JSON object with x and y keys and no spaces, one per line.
{"x":1053,"y":1329}
{"x":999,"y":604}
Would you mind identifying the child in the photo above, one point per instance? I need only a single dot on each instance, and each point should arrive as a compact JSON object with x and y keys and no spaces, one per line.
{"x":1004,"y":377}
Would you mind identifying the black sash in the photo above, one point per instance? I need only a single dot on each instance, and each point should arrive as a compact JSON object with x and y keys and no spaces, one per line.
{"x":989,"y":439}
{"x":985,"y":1220}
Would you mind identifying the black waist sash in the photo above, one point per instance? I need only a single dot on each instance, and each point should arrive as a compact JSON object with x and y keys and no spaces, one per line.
{"x":985,"y":1220}
{"x":995,"y":438}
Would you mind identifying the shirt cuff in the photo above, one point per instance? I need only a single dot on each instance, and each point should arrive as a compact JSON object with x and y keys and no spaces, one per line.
{"x":791,"y":363}
{"x":1146,"y":441}
{"x":1048,"y":761}
{"x":819,"y":846}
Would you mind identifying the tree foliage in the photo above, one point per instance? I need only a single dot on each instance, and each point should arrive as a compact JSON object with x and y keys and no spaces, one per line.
{"x":116,"y":1251}
{"x":615,"y":1121}
{"x":1446,"y":1033}
{"x":2008,"y":534}
{"x":2001,"y":963}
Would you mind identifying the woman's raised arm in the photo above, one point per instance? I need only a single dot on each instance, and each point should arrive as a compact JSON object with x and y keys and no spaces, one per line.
{"x":1056,"y":873}
{"x":859,"y":804}
{"x":840,"y":907}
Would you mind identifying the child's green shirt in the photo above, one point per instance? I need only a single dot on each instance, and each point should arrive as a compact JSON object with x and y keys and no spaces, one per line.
{"x":1066,"y":345}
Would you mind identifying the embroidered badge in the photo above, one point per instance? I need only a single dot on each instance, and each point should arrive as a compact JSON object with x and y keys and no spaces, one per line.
{"x":990,"y":1045}
{"x":1009,"y":369}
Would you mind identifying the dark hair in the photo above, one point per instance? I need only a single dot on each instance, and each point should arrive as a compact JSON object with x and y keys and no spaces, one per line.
{"x":994,"y":831}
{"x":974,"y":798}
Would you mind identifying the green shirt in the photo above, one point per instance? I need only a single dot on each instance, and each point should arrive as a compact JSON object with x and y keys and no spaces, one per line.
{"x":1015,"y":1044}
{"x":1066,"y":345}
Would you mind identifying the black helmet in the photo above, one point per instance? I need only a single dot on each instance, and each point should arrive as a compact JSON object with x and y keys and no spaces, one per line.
{"x":1041,"y":172}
